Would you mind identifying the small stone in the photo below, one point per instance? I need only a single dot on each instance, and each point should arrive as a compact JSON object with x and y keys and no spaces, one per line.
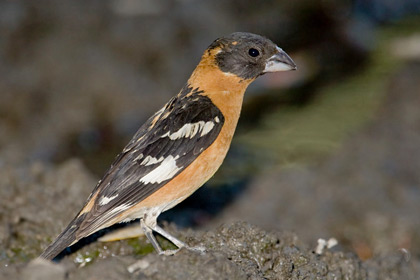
{"x":40,"y":269}
{"x":141,"y":264}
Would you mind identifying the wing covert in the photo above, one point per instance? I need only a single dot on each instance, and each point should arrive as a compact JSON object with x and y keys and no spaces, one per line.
{"x":161,"y":149}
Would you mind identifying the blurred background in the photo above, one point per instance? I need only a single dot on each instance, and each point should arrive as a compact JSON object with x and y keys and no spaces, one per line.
{"x":330,"y":150}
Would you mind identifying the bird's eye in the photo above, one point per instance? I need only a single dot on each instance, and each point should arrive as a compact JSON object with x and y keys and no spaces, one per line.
{"x":253,"y":52}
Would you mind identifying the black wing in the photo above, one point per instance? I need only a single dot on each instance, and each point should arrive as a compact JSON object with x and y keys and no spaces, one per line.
{"x":162,"y":148}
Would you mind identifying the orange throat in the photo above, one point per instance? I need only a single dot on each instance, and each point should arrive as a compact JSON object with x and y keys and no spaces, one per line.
{"x":225,"y":90}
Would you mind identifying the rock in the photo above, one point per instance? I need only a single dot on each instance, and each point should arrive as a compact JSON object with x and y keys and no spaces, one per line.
{"x":39,"y":269}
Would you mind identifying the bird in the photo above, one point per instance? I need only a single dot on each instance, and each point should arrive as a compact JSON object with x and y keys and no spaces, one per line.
{"x":180,"y":147}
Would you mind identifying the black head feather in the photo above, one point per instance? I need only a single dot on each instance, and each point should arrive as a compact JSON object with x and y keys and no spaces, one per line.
{"x":243,"y":54}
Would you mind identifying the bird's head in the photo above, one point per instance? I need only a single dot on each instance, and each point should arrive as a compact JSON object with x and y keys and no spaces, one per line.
{"x":232,"y":62}
{"x":248,"y":55}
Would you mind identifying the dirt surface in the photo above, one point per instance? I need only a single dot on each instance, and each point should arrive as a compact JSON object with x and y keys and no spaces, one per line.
{"x":77,"y":79}
{"x":235,"y":251}
{"x":364,"y":196}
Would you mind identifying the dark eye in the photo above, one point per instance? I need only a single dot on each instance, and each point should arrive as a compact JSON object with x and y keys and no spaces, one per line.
{"x":253,"y":52}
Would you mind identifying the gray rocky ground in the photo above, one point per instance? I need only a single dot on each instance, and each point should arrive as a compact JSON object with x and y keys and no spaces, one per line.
{"x":365,"y":196}
{"x":62,"y":123}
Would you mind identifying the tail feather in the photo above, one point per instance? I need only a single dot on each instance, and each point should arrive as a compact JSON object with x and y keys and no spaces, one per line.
{"x":64,"y":240}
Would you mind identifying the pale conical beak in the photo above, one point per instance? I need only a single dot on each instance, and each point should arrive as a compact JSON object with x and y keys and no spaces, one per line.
{"x":281,"y":61}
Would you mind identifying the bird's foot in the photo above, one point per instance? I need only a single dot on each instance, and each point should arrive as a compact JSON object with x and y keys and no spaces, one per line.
{"x":169,"y":252}
{"x":198,"y":249}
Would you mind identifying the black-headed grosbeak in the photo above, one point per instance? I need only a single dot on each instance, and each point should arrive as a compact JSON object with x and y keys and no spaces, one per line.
{"x":181,"y":146}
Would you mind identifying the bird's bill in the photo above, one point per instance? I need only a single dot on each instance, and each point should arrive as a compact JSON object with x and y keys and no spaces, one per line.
{"x":281,"y":61}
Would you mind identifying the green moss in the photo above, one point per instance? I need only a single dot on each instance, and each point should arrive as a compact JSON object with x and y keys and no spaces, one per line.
{"x":140,"y":247}
{"x":165,"y":243}
{"x":18,"y":255}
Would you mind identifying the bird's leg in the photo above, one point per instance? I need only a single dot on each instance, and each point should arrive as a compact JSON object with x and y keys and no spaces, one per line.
{"x":149,"y":224}
{"x":149,"y":234}
{"x":176,"y":241}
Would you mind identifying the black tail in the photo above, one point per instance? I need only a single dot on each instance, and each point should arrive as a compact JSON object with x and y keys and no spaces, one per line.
{"x":65,"y":239}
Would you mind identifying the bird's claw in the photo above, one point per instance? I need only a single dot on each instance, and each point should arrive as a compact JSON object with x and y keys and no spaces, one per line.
{"x":169,"y":252}
{"x":198,"y":249}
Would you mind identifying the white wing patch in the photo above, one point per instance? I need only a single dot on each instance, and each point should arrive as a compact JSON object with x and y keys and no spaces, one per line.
{"x":189,"y":130}
{"x":105,"y":200}
{"x":118,"y":209}
{"x":149,"y":160}
{"x":166,"y":170}
{"x":139,"y":157}
{"x":208,"y":126}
